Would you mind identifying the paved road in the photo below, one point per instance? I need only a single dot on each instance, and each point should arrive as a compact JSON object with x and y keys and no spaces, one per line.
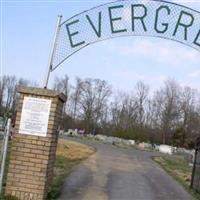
{"x":120,"y":174}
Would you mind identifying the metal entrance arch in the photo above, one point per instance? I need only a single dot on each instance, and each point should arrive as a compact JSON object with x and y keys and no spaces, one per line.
{"x":150,"y":18}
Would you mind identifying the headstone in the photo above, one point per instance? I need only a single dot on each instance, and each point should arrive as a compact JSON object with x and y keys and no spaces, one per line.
{"x":166,"y":149}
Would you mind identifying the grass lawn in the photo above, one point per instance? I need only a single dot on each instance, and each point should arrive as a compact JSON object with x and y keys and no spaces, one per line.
{"x":179,"y":168}
{"x":69,"y":154}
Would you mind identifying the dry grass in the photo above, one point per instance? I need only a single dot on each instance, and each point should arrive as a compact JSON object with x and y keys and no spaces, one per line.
{"x":73,"y":150}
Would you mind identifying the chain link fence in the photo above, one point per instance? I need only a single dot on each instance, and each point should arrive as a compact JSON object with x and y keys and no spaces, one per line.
{"x":128,"y":18}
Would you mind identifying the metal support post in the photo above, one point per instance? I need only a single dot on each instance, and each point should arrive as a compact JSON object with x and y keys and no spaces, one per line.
{"x":5,"y":147}
{"x":52,"y":52}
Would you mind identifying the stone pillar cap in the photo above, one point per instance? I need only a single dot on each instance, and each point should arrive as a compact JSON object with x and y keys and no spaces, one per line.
{"x":41,"y":92}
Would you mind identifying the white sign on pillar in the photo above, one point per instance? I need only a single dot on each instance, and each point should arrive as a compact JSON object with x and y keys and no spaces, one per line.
{"x":35,"y":116}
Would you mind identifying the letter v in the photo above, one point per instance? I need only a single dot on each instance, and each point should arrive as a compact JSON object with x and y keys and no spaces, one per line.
{"x":98,"y":32}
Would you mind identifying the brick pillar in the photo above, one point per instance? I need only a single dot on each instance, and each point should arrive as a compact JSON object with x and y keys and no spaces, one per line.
{"x":32,"y":157}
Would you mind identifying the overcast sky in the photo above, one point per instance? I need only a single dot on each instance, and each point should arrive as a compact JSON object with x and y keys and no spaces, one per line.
{"x":27,"y":29}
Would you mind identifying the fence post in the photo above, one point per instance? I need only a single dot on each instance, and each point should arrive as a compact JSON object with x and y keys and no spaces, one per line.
{"x":193,"y":169}
{"x":195,"y":180}
{"x":4,"y":153}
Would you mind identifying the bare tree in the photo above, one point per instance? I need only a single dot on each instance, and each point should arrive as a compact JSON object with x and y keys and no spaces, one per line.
{"x":10,"y":95}
{"x":94,"y":97}
{"x":171,"y":115}
{"x":123,"y":111}
{"x":75,"y":97}
{"x":62,"y":85}
{"x":3,"y":82}
{"x":167,"y":104}
{"x":142,"y":92}
{"x":189,"y":114}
